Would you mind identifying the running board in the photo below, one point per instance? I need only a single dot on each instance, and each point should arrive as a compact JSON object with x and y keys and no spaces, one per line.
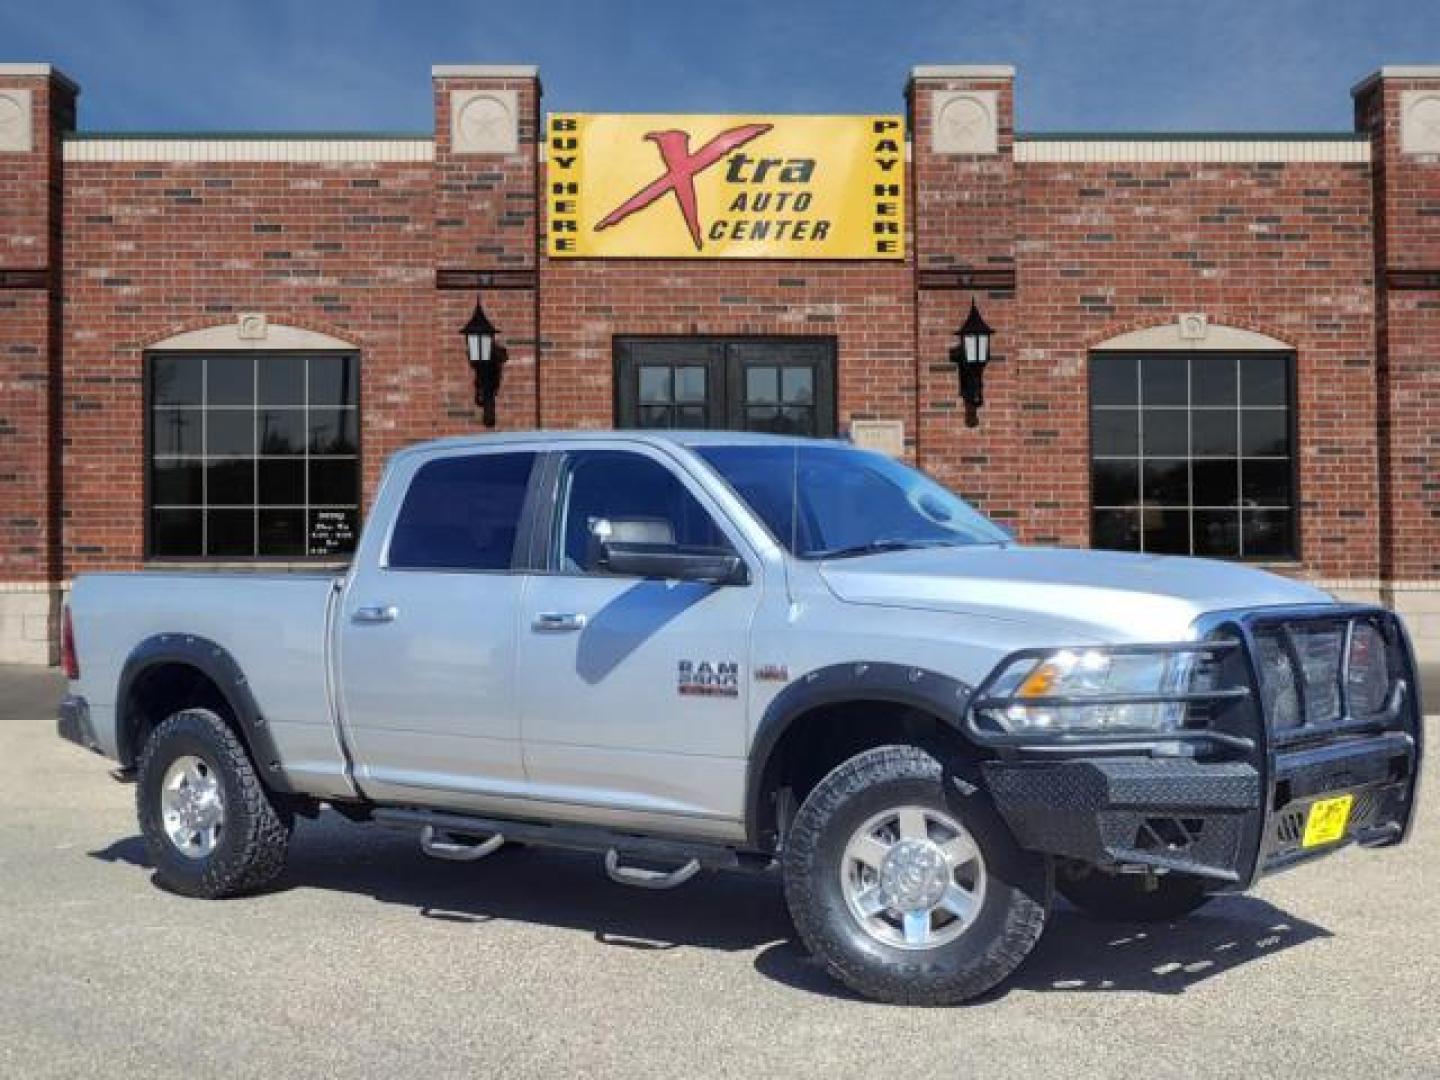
{"x":578,"y":838}
{"x":437,"y":848}
{"x":641,"y":878}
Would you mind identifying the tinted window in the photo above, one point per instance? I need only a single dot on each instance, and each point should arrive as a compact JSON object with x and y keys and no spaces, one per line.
{"x":827,"y":500}
{"x":253,"y":455}
{"x":1191,"y":454}
{"x":462,"y":513}
{"x":641,"y":500}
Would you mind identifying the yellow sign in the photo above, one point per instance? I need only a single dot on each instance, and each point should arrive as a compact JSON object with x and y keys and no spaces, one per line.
{"x":1327,"y":820}
{"x":726,"y":187}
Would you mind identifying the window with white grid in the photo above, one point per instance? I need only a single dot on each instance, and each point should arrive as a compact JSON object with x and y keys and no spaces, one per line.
{"x":1192,"y":453}
{"x":252,"y":455}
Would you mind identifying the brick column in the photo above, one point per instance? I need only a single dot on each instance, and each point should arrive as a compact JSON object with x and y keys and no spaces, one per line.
{"x":1400,"y":108}
{"x":486,"y":234}
{"x":963,"y":207}
{"x":37,"y":105}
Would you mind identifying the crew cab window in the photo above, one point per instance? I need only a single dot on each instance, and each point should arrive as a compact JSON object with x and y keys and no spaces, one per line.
{"x":462,"y":513}
{"x":640,"y":500}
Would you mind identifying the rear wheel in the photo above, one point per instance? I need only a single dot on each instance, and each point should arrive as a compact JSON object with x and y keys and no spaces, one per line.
{"x":1130,"y":897}
{"x":906,"y":890}
{"x":209,"y":824}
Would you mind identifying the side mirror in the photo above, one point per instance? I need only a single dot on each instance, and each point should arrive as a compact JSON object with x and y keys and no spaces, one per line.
{"x":713,"y":565}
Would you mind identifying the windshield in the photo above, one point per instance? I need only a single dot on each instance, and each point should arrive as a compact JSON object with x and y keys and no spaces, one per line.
{"x":828,"y":501}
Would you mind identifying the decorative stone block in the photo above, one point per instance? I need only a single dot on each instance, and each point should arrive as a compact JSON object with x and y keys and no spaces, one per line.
{"x":484,"y":122}
{"x":17,"y":133}
{"x":1420,"y":122}
{"x":965,"y":122}
{"x":886,"y":436}
{"x":28,"y":617}
{"x":1193,"y":326}
{"x":252,"y":326}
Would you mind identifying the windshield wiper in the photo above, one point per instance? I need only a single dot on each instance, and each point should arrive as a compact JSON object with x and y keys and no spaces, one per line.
{"x":880,"y":545}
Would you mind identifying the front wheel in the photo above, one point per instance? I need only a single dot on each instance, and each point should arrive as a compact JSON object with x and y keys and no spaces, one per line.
{"x":209,"y":824}
{"x":908,"y":891}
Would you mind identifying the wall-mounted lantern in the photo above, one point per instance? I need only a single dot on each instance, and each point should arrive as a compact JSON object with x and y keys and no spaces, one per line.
{"x":971,"y":355}
{"x":487,"y":359}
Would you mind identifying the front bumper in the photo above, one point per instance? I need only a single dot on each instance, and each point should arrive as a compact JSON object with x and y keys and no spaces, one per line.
{"x":74,"y":723}
{"x":1212,"y":819}
{"x":1230,"y":799}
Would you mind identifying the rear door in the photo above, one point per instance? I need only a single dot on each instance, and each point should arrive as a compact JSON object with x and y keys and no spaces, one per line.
{"x":427,"y":631}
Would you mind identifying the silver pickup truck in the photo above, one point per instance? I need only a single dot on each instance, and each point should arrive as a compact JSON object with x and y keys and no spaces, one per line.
{"x":720,"y":650}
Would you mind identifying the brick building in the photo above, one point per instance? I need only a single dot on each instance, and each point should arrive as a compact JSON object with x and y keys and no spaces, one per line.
{"x":1220,"y":344}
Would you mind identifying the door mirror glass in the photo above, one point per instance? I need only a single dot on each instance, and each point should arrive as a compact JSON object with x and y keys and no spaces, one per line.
{"x":646,"y":547}
{"x":716,"y":566}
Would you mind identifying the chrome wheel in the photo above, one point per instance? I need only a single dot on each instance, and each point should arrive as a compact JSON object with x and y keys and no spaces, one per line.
{"x":913,"y":877}
{"x":192,"y":806}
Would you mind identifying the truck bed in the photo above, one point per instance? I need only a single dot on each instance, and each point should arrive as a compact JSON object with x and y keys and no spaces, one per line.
{"x":276,"y":626}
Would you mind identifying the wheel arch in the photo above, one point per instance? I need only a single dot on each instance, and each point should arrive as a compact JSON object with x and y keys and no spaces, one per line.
{"x":172,"y":671}
{"x":866,"y":703}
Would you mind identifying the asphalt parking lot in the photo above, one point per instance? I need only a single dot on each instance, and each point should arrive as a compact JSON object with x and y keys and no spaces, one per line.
{"x":371,"y":960}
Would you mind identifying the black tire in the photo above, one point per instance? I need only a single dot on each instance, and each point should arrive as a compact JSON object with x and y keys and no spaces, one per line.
{"x":1006,"y":927}
{"x":255,"y":835}
{"x":1130,"y":897}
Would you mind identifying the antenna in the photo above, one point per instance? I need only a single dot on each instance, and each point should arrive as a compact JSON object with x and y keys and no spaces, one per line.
{"x":795,"y":500}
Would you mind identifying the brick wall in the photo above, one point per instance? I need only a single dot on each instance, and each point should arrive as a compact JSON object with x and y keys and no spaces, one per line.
{"x":1101,"y":248}
{"x":965,"y":239}
{"x":1061,"y":255}
{"x":486,"y":223}
{"x":30,"y":257}
{"x":31,"y":188}
{"x":1407,"y":203}
{"x":158,"y":248}
{"x":1407,"y":257}
{"x":1283,"y":249}
{"x":866,"y":307}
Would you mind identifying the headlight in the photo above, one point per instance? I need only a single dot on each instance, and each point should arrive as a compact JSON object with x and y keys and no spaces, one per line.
{"x":1091,"y":673}
{"x":1368,"y":673}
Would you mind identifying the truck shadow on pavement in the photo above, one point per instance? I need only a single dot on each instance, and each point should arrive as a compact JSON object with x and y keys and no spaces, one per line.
{"x":1080,"y":955}
{"x":743,"y":912}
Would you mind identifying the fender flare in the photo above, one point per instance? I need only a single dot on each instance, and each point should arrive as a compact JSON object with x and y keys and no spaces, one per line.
{"x":858,"y":680}
{"x":215,"y":663}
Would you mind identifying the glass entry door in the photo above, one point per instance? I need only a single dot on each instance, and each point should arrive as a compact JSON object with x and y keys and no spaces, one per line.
{"x":780,"y":385}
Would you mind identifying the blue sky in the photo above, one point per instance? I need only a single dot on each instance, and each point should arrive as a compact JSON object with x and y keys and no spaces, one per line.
{"x":364,"y":64}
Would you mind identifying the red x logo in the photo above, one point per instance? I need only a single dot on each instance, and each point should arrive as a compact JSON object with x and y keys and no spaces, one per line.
{"x":681,"y":168}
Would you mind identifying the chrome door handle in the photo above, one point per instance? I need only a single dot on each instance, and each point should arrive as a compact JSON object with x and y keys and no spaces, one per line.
{"x":557,"y":622}
{"x":376,"y":614}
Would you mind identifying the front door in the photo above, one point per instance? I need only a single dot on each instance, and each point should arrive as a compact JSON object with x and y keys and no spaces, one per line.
{"x":632,"y":689}
{"x":780,"y":385}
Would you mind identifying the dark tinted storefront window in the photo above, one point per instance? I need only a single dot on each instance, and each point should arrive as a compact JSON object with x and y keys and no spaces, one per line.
{"x":253,"y":455}
{"x":1191,"y":454}
{"x":785,"y":386}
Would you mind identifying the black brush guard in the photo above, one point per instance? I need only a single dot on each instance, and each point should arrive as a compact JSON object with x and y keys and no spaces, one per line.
{"x":1226,"y":797}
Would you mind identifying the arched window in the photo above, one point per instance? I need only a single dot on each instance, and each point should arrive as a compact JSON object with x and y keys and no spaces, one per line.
{"x":1192,"y":448}
{"x":252,"y":452}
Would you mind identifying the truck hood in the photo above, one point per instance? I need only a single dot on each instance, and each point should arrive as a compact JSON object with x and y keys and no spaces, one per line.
{"x":1099,"y":595}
